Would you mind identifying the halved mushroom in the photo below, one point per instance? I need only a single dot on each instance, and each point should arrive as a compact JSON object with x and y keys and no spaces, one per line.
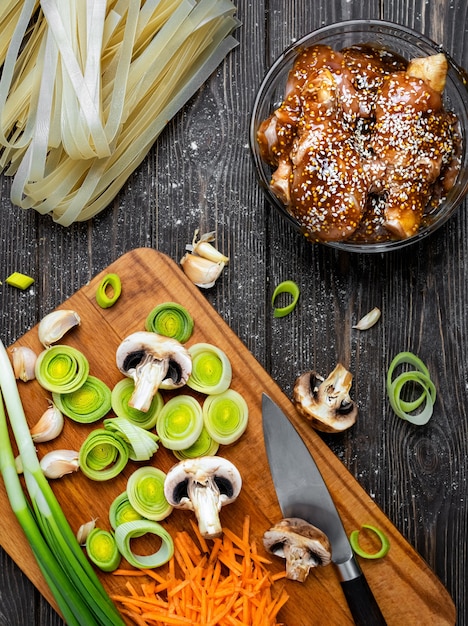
{"x":303,"y":545}
{"x":152,"y":360}
{"x":203,"y":485}
{"x":326,"y":403}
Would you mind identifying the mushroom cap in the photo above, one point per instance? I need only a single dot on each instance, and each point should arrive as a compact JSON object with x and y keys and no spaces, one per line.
{"x":303,"y":545}
{"x":133,"y":349}
{"x":326,"y":402}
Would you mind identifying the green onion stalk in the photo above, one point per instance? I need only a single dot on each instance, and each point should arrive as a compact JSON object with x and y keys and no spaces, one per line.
{"x":79,"y":594}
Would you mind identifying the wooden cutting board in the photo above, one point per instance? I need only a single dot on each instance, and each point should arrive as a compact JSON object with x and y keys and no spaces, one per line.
{"x":406,"y":589}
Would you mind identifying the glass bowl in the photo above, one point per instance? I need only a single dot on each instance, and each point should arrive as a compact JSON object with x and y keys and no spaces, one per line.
{"x":398,"y":39}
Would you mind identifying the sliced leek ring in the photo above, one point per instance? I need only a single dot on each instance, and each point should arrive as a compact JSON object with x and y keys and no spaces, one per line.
{"x":225,"y":416}
{"x":145,"y":492}
{"x":170,"y":319}
{"x":180,"y":422}
{"x":90,"y":403}
{"x":102,"y":455}
{"x":211,"y":369}
{"x":102,"y":549}
{"x":124,"y":533}
{"x":61,"y":369}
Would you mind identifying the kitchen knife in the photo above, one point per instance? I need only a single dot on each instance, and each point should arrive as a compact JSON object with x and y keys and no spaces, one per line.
{"x":302,"y":493}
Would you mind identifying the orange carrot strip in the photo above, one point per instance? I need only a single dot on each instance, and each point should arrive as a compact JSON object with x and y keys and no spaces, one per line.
{"x":128,"y":572}
{"x":153,"y":574}
{"x":167,"y":619}
{"x":244,"y":545}
{"x":278,"y":576}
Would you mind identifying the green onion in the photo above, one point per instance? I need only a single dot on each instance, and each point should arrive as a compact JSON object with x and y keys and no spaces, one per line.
{"x":77,"y":590}
{"x":90,"y":403}
{"x":102,"y":550}
{"x":145,"y":492}
{"x":61,"y":369}
{"x":290,"y":287}
{"x":180,"y":422}
{"x":108,"y":291}
{"x":171,"y":320}
{"x":20,"y":281}
{"x":419,"y":377}
{"x":103,"y":455}
{"x":205,"y":445}
{"x":225,"y":416}
{"x":141,"y":443}
{"x":121,"y":394}
{"x":211,"y":369}
{"x":384,"y":543}
{"x":121,"y":511}
{"x":125,"y":533}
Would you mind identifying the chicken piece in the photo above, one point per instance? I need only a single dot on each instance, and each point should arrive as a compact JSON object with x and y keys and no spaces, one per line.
{"x":367,"y":67}
{"x":414,"y":140}
{"x":327,"y":185}
{"x":276,"y":134}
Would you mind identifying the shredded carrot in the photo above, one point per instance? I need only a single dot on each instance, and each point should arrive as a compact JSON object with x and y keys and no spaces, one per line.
{"x":225,"y":584}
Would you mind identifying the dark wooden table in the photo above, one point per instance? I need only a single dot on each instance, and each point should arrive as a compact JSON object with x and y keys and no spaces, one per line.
{"x":199,"y":175}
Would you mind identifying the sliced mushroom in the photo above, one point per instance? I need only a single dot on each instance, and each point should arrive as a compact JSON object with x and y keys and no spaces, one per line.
{"x":303,"y":545}
{"x":152,"y":361}
{"x":203,"y":485}
{"x":326,"y":403}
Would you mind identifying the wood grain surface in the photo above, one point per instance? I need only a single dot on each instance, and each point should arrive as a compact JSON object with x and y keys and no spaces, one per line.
{"x":405,"y":587}
{"x":199,"y":174}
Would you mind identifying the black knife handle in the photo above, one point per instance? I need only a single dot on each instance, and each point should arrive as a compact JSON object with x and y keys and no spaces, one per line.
{"x":361,"y":602}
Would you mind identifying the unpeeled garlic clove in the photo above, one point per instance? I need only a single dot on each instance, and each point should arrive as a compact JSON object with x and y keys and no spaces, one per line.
{"x":203,"y":248}
{"x":84,"y":530}
{"x":53,"y":326}
{"x":49,"y":426}
{"x":368,"y":320}
{"x":57,"y":463}
{"x":202,"y":272}
{"x":24,"y":361}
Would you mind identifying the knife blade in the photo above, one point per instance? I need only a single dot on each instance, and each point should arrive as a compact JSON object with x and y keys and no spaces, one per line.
{"x":302,"y":492}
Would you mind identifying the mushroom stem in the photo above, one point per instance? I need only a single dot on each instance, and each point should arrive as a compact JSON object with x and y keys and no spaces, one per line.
{"x":206,"y":503}
{"x":298,"y":564}
{"x":148,"y":376}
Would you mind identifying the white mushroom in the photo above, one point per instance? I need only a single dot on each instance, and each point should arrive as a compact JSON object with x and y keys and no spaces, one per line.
{"x":152,"y":360}
{"x":303,"y":545}
{"x":203,"y":485}
{"x":326,"y":403}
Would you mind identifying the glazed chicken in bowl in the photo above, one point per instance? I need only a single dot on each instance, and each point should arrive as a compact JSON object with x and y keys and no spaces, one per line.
{"x":358,"y":136}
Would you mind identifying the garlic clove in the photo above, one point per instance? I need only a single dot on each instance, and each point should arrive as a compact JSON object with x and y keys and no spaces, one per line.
{"x":368,"y":320}
{"x":24,"y":361}
{"x":49,"y":426}
{"x":53,"y":326}
{"x":57,"y":463}
{"x":84,"y":530}
{"x":203,"y":248}
{"x":202,"y":272}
